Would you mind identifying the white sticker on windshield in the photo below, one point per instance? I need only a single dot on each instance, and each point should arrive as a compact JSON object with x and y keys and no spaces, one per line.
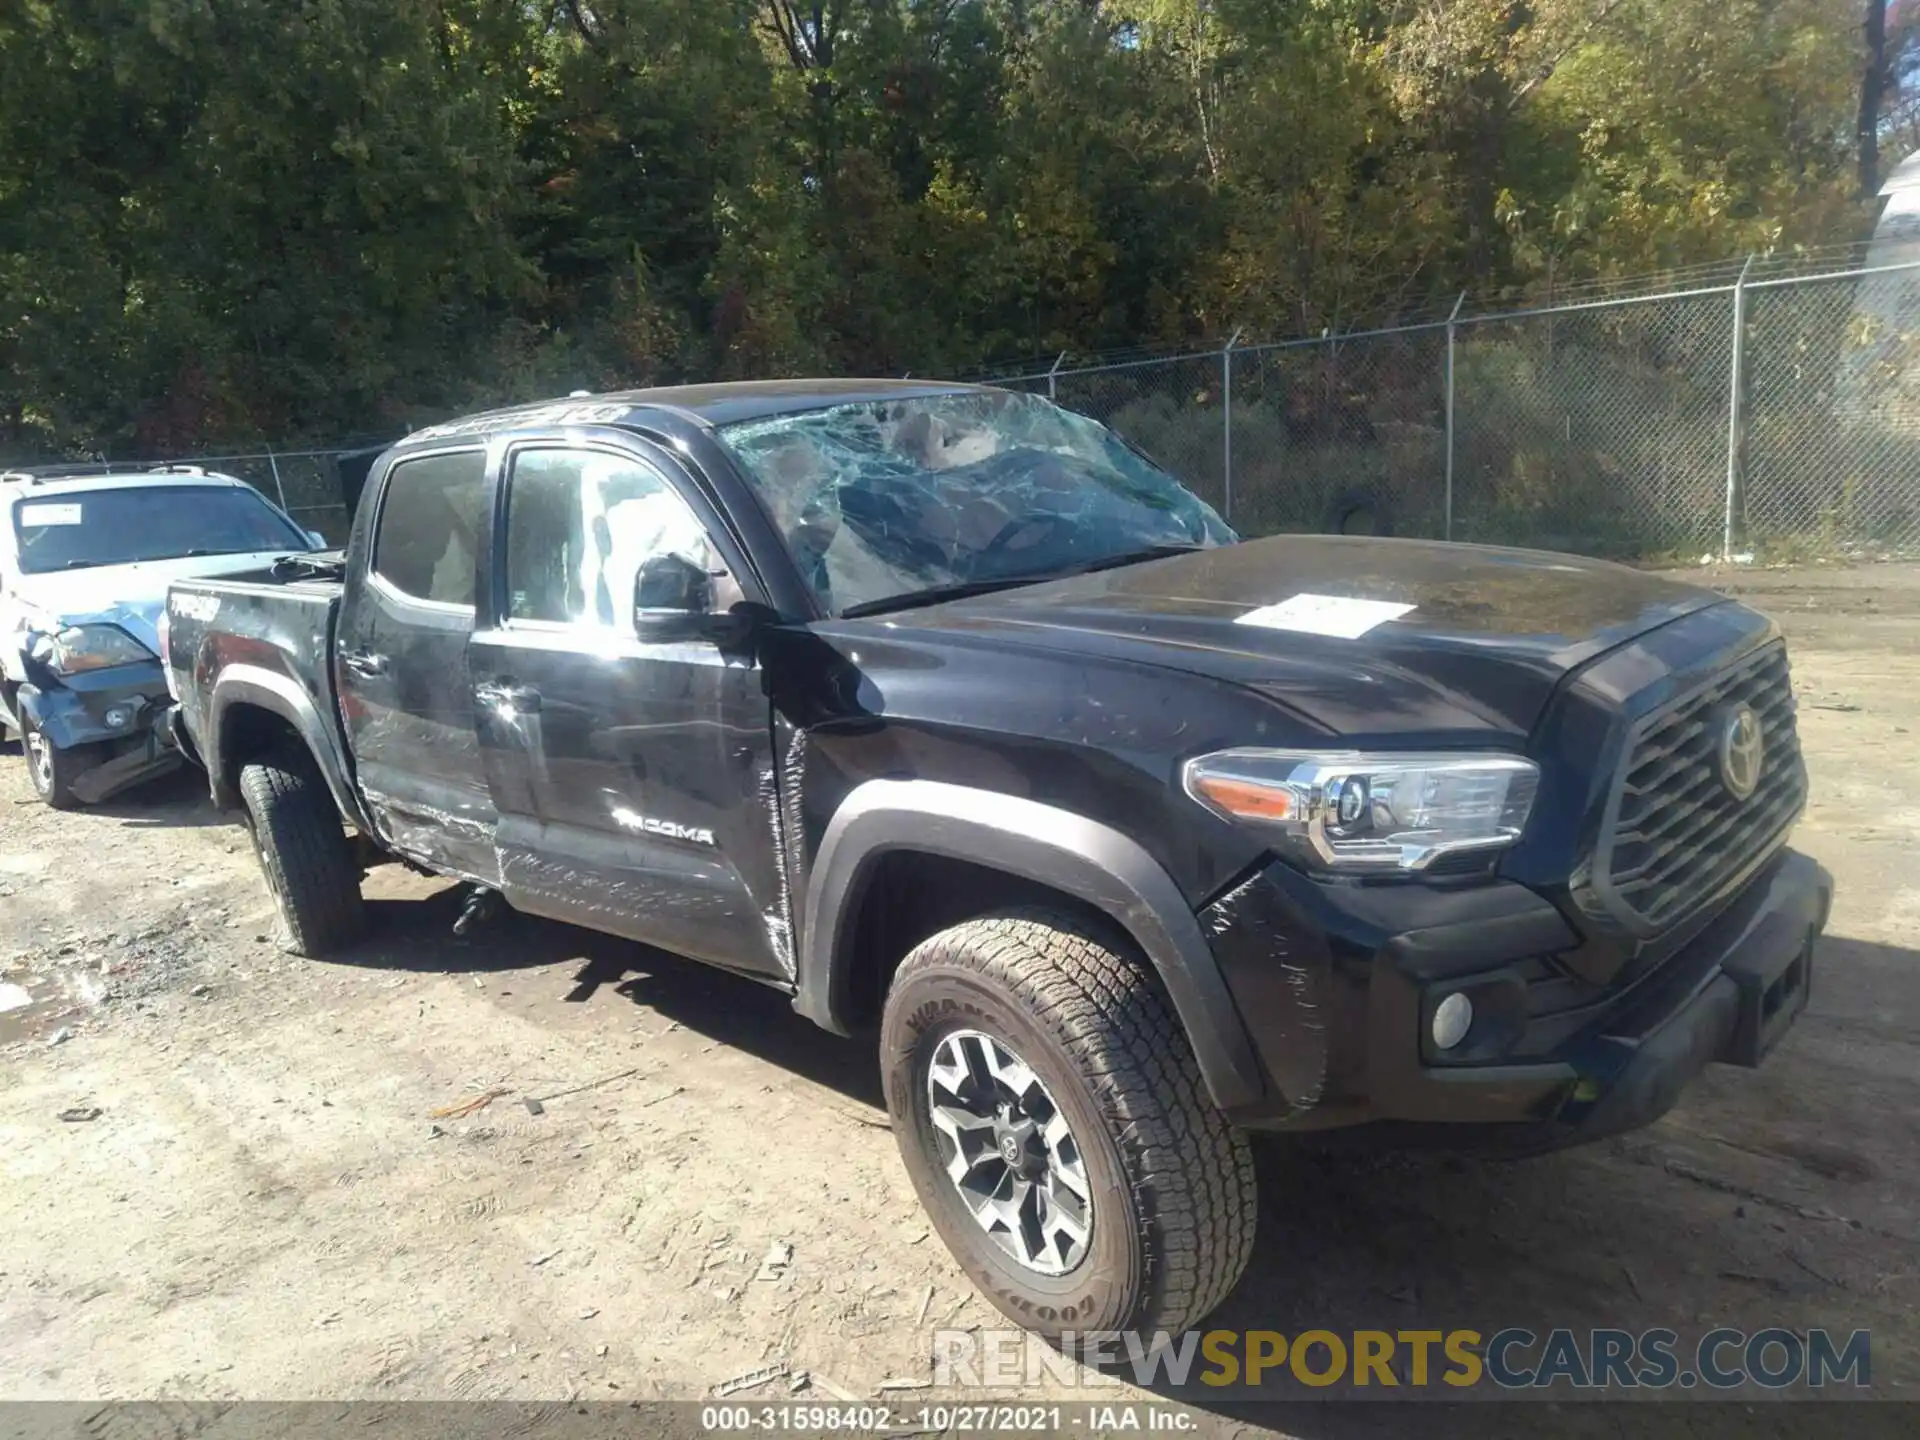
{"x":1338,"y":615}
{"x":47,"y":513}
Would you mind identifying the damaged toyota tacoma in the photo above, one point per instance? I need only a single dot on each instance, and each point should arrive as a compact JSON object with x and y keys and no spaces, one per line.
{"x":954,"y":717}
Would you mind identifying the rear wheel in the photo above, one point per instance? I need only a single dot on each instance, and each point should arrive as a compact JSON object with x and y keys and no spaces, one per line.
{"x":304,"y":853}
{"x":1054,"y":1122}
{"x":51,"y":769}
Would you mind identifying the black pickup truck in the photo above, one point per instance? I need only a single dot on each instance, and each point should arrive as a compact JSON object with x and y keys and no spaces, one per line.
{"x":951,"y":715}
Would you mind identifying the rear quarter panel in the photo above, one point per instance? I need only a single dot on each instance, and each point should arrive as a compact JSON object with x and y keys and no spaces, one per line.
{"x":256,"y":640}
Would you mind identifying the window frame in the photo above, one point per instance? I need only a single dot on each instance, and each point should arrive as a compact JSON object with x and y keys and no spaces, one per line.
{"x":387,"y":587}
{"x":622,"y":629}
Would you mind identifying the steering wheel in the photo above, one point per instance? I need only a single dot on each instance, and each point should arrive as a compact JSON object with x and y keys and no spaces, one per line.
{"x":1040,"y":527}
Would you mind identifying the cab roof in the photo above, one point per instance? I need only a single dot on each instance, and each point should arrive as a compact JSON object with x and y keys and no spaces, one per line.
{"x":706,"y":405}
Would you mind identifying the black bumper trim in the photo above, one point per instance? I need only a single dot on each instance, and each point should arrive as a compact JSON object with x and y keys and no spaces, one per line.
{"x":1728,"y":995}
{"x":1631,"y":1067}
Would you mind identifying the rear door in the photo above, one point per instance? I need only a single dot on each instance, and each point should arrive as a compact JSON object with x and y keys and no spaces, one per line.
{"x":400,"y":664}
{"x":634,"y":782}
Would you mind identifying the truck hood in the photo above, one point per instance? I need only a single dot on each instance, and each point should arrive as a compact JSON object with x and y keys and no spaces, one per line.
{"x":1490,"y":634}
{"x":130,"y":596}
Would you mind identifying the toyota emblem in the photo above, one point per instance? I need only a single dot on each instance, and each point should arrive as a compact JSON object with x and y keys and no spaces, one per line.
{"x":1742,"y":748}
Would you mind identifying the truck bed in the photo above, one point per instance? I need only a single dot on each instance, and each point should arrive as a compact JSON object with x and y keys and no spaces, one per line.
{"x":271,"y":628}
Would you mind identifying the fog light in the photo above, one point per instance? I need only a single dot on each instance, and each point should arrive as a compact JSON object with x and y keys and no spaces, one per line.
{"x":118,"y":717}
{"x":1452,"y":1018}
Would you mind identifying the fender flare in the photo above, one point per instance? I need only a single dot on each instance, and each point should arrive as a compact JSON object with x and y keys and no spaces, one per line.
{"x":1079,"y":857}
{"x":277,"y":695}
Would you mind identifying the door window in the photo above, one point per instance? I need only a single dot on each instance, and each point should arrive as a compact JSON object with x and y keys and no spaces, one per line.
{"x":428,"y":536}
{"x":579,"y":524}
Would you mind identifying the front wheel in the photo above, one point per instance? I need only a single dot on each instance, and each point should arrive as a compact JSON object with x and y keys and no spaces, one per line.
{"x":51,"y":770}
{"x":1054,"y":1122}
{"x":304,"y":854}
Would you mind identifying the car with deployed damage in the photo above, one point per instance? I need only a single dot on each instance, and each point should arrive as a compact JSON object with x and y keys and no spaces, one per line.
{"x":954,"y":717}
{"x":86,"y":555}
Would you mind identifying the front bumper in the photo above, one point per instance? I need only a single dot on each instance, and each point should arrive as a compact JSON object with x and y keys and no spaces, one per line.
{"x":123,"y":710}
{"x":1340,"y":1013}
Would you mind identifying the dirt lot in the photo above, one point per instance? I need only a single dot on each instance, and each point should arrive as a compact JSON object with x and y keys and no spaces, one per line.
{"x":265,"y":1207}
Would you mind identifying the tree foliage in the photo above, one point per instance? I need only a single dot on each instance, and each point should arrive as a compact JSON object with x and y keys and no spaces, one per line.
{"x":228,"y":221}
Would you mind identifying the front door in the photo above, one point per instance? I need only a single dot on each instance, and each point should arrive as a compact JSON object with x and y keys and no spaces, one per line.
{"x":634,"y":782}
{"x":400,"y":666}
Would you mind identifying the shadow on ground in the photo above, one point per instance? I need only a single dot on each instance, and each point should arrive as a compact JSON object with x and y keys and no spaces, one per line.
{"x":175,"y":801}
{"x":1605,"y":1236}
{"x":582,"y":964}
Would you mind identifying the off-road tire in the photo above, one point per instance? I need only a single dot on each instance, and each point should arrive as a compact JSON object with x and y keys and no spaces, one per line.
{"x":1174,"y":1201}
{"x":52,"y":770}
{"x":304,"y":853}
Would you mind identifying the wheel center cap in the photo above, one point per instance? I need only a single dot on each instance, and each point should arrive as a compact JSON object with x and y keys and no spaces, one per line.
{"x":1018,"y":1143}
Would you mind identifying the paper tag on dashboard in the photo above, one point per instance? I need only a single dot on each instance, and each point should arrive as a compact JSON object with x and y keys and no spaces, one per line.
{"x":1337,"y":615}
{"x":48,"y":513}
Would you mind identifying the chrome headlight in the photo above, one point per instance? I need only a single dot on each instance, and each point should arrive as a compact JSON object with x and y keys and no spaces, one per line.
{"x":80,"y":648}
{"x":1372,"y":813}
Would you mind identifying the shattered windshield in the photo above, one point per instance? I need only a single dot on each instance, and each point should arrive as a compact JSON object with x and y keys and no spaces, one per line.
{"x":883,"y":501}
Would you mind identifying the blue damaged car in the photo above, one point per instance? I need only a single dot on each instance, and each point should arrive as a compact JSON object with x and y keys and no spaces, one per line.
{"x":85,"y":561}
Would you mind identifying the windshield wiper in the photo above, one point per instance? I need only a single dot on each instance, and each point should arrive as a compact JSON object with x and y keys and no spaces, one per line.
{"x":1131,"y":557}
{"x":937,"y":594}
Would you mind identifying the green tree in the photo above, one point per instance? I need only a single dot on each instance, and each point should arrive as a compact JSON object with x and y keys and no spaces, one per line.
{"x":232,"y":221}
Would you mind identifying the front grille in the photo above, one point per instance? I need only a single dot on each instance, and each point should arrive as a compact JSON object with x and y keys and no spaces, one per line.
{"x":1679,"y":833}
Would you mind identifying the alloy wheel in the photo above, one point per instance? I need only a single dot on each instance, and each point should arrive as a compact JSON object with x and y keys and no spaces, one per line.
{"x":1009,"y":1152}
{"x":40,"y":759}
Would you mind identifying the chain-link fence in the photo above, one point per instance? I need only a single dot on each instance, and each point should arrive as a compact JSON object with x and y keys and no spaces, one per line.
{"x":307,"y":484}
{"x":1831,"y":440}
{"x":1767,"y":405}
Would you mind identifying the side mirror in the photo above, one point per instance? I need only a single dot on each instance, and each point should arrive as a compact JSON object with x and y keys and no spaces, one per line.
{"x":672,"y":601}
{"x":319,"y":540}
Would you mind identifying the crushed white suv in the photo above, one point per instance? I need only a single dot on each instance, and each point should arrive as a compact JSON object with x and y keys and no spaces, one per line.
{"x":85,"y":561}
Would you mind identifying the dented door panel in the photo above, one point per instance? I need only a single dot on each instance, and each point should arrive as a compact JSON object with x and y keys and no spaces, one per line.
{"x":633,"y":780}
{"x":400,"y":669}
{"x":631,"y":799}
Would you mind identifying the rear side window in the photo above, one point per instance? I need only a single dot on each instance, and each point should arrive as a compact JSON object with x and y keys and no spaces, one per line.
{"x":428,"y":535}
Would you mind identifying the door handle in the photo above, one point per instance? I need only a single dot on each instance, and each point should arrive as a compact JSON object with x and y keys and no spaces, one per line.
{"x":364,"y":663}
{"x":520,"y":699}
